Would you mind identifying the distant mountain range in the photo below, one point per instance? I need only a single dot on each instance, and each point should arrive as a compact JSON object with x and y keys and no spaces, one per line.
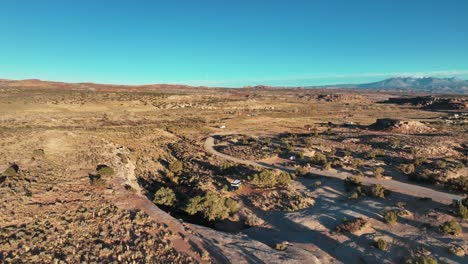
{"x":424,"y":84}
{"x":404,"y":84}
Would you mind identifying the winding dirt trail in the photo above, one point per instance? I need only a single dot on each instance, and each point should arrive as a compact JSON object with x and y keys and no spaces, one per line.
{"x":405,"y":188}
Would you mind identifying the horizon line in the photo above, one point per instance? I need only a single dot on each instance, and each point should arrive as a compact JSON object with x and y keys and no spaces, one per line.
{"x":263,"y":81}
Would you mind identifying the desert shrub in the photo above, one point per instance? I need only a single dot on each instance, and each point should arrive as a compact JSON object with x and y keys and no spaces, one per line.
{"x":265,"y":178}
{"x":422,"y":260}
{"x":391,"y":217}
{"x":38,"y":153}
{"x":11,"y":171}
{"x":227,"y":168}
{"x":315,"y":132}
{"x":327,"y":166}
{"x":253,"y":220}
{"x":427,"y":175}
{"x":378,"y":172}
{"x":319,"y":159}
{"x":352,"y":182}
{"x":418,"y":161}
{"x":104,"y":170}
{"x":381,"y":244}
{"x":96,"y":180}
{"x":354,"y":195}
{"x":352,"y":225}
{"x":414,"y":151}
{"x":347,"y":152}
{"x":463,"y":211}
{"x":357,"y":163}
{"x":441,"y":164}
{"x":283,"y":178}
{"x":458,"y":184}
{"x":332,"y":152}
{"x":408,"y":169}
{"x":300,"y":154}
{"x":370,"y":155}
{"x":450,"y":227}
{"x":337,"y":164}
{"x":457,"y":250}
{"x":281,"y":246}
{"x":172,"y":177}
{"x":400,"y":204}
{"x":309,"y":142}
{"x":394,"y":142}
{"x":212,"y":206}
{"x":302,"y":171}
{"x":176,"y":166}
{"x":376,"y":191}
{"x":231,"y":205}
{"x":165,"y":196}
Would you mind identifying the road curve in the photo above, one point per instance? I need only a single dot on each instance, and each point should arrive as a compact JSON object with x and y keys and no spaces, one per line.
{"x":396,"y":186}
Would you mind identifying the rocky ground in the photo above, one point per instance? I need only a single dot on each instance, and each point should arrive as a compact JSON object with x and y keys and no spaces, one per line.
{"x":57,"y":206}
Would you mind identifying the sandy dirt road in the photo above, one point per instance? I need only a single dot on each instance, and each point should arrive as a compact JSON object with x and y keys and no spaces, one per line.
{"x":405,"y":188}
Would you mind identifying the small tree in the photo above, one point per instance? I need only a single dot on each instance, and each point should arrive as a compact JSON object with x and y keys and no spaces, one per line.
{"x":212,"y":206}
{"x":265,"y":178}
{"x":165,"y":196}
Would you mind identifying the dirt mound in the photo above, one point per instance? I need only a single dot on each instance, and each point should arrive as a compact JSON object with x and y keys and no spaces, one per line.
{"x":400,"y":126}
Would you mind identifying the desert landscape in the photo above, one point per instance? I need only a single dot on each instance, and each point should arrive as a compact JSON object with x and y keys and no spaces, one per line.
{"x":95,"y":173}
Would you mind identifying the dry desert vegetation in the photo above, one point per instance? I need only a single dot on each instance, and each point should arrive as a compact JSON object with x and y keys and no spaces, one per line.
{"x":175,"y":174}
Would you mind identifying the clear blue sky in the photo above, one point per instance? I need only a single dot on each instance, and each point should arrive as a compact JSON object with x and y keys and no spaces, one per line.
{"x":232,"y":43}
